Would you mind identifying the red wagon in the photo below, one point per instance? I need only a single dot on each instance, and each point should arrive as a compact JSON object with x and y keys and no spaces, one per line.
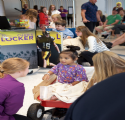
{"x":37,"y":110}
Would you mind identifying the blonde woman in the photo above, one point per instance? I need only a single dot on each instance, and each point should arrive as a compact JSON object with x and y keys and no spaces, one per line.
{"x":107,"y":64}
{"x":55,"y":17}
{"x":91,"y":43}
{"x":12,"y":91}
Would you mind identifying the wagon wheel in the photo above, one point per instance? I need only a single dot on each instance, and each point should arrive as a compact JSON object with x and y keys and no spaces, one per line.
{"x":35,"y":111}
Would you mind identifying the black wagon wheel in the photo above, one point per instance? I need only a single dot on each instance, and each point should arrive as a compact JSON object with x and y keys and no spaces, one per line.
{"x":35,"y":111}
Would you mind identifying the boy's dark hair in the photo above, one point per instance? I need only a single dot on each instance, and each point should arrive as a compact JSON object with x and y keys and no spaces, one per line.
{"x":61,"y":22}
{"x":61,"y":6}
{"x":72,"y":51}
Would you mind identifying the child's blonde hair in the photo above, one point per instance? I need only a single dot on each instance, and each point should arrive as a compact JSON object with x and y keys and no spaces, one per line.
{"x":31,"y":14}
{"x":13,"y":65}
{"x":58,"y":16}
{"x":107,"y":64}
{"x":23,"y":16}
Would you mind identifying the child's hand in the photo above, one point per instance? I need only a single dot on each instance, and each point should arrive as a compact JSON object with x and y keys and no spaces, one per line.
{"x":46,"y":77}
{"x":12,"y":24}
{"x":68,"y":37}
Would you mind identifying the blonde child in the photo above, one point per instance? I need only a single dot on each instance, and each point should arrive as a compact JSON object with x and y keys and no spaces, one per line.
{"x":55,"y":18}
{"x":31,"y":15}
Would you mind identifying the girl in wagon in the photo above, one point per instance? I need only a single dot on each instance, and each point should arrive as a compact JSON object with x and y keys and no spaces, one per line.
{"x":68,"y":71}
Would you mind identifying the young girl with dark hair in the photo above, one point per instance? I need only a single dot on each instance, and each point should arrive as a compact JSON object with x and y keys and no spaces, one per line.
{"x":68,"y":71}
{"x":36,"y":8}
{"x":44,"y":20}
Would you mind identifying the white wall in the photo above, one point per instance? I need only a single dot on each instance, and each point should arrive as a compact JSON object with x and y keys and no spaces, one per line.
{"x":101,"y":6}
{"x":11,"y":13}
{"x":78,"y":4}
{"x":2,"y":9}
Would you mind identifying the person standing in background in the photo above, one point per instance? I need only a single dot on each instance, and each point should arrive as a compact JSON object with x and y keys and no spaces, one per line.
{"x":31,"y":15}
{"x":63,"y":12}
{"x":52,"y":11}
{"x":24,"y":9}
{"x":44,"y":20}
{"x":37,"y":22}
{"x":89,"y":13}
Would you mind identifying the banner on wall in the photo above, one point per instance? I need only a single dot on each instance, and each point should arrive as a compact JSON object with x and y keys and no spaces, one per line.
{"x":20,"y":44}
{"x":49,"y":46}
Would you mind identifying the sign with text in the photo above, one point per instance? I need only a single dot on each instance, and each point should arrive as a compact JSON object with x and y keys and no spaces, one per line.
{"x":20,"y":44}
{"x":17,"y":38}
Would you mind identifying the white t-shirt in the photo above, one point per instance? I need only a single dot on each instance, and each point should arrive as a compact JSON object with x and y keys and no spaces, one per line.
{"x":52,"y":25}
{"x":55,"y":12}
{"x":32,"y":25}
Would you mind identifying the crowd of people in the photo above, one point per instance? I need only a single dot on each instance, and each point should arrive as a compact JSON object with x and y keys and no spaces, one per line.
{"x":110,"y":25}
{"x":44,"y":18}
{"x":98,"y":102}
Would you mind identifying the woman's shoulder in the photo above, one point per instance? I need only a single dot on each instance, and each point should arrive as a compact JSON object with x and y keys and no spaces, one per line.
{"x":10,"y":83}
{"x":91,"y":38}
